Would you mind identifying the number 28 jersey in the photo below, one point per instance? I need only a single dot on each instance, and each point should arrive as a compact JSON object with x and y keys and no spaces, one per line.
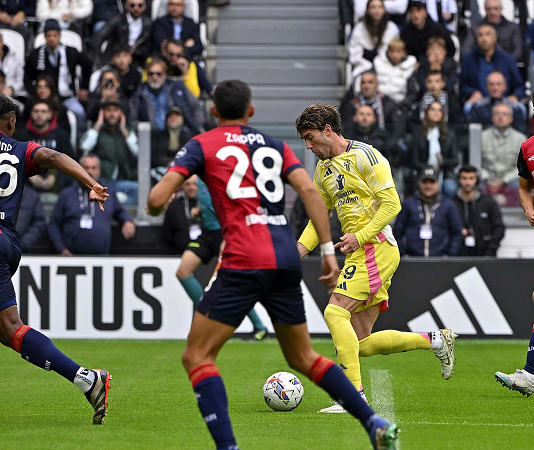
{"x":245,"y":171}
{"x":16,"y":165}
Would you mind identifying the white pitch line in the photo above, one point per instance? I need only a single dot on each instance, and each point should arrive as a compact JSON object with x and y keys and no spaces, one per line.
{"x":472,"y":424}
{"x":382,"y":395}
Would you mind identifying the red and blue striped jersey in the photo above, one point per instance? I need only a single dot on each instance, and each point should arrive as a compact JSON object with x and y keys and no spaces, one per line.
{"x":16,"y":165}
{"x":245,"y":171}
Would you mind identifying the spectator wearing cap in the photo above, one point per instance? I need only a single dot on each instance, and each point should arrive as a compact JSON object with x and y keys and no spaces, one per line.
{"x":153,"y":99}
{"x":130,"y":27}
{"x":421,"y":28}
{"x":177,"y":26}
{"x":60,"y":62}
{"x":480,"y":111}
{"x":428,"y":224}
{"x":487,"y":58}
{"x":509,"y":35}
{"x":42,"y":128}
{"x":117,"y":147}
{"x":165,"y":143}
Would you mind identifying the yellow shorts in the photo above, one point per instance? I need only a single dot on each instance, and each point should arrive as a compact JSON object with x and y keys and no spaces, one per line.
{"x":367,"y":274}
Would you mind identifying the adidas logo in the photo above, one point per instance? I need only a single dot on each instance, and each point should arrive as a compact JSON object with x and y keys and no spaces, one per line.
{"x":342,"y":286}
{"x":328,"y":172}
{"x":450,"y":311}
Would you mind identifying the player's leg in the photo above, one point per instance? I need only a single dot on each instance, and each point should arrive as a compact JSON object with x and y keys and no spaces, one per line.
{"x":523,"y":379}
{"x":39,"y":350}
{"x":185,"y":273}
{"x":297,"y":349}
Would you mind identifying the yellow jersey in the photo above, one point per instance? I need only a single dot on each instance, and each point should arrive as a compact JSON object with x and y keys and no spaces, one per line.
{"x":348,"y":183}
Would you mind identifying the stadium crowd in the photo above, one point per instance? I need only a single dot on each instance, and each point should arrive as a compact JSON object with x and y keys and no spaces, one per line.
{"x":90,"y":71}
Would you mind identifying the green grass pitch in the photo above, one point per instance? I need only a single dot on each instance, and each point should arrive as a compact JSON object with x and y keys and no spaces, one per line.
{"x":151,"y":404}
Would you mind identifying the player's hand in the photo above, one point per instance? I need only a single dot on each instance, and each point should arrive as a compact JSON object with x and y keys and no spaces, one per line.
{"x":330,"y":269}
{"x":66,"y":252}
{"x":530,"y":217}
{"x":128,"y":229}
{"x":98,"y":194}
{"x":348,"y":243}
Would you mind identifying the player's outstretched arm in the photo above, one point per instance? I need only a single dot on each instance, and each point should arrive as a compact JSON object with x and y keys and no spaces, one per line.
{"x":316,"y":209}
{"x":527,"y":201}
{"x":46,"y":158}
{"x":161,"y":194}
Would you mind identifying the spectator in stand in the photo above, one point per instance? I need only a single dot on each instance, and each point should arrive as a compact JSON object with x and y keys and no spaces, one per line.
{"x":396,"y":9}
{"x":42,"y":129}
{"x":153,"y":99}
{"x":45,"y":90}
{"x":435,"y":92}
{"x":116,"y":145}
{"x":109,"y":88}
{"x":77,"y":227}
{"x":183,"y":222}
{"x":130,"y":74}
{"x":131,"y":27}
{"x":421,"y":28}
{"x":509,"y":35}
{"x":31,"y":221}
{"x":395,"y":74}
{"x":13,"y":13}
{"x":436,"y":59}
{"x":12,"y":64}
{"x":483,"y":60}
{"x":480,"y":111}
{"x":443,"y":12}
{"x":5,"y":90}
{"x":499,"y":156}
{"x":60,"y":62}
{"x":435,"y":146}
{"x":104,"y":11}
{"x":483,"y":228}
{"x":177,"y":26}
{"x":165,"y":143}
{"x":69,"y":13}
{"x":428,"y":224}
{"x":370,"y":37}
{"x":389,"y":115}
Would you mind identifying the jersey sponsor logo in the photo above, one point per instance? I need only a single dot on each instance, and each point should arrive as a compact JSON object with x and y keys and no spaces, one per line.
{"x":250,"y":138}
{"x":263,"y":219}
{"x":328,"y":172}
{"x":340,"y":181}
{"x":531,"y":158}
{"x":479,"y":300}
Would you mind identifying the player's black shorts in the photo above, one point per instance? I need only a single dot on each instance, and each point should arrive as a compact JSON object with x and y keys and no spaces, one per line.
{"x":9,"y":263}
{"x":207,"y":245}
{"x":235,"y":292}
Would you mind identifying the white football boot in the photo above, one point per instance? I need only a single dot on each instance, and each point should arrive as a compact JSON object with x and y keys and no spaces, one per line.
{"x":446,"y":352}
{"x":336,"y":408}
{"x":520,"y":381}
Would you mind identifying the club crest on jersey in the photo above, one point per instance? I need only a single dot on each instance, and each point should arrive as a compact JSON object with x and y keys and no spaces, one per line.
{"x":340,"y":181}
{"x":180,"y":153}
{"x":347,"y":166}
{"x":326,"y":164}
{"x":531,"y":158}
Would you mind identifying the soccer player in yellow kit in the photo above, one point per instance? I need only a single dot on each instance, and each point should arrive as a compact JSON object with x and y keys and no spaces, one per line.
{"x":355,"y":179}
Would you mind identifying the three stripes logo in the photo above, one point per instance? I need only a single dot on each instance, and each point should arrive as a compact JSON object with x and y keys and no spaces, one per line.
{"x":451,"y":313}
{"x":328,"y":172}
{"x":342,"y":286}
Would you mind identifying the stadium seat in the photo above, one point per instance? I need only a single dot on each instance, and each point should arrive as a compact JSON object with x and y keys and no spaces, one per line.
{"x":68,"y":37}
{"x":93,"y":81}
{"x":14,"y":40}
{"x":73,"y":122}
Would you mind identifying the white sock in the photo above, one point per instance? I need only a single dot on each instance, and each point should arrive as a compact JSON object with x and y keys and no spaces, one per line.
{"x":435,"y":340}
{"x":84,"y":379}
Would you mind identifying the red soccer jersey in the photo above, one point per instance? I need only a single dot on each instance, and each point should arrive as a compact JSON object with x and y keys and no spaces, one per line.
{"x":245,"y":171}
{"x":525,"y":160}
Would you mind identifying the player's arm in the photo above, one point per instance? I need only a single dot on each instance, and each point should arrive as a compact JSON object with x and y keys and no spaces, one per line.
{"x":308,"y":240}
{"x":46,"y":158}
{"x":162,"y":193}
{"x":527,"y":201}
{"x":315,"y":207}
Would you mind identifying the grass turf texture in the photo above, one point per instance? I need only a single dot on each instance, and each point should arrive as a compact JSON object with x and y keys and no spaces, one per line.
{"x":151,"y":403}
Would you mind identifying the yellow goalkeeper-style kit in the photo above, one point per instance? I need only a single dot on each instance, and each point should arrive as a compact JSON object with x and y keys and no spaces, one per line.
{"x":356,"y":183}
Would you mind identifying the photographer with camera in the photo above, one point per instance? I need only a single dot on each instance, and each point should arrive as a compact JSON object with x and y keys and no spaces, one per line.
{"x":109,"y":88}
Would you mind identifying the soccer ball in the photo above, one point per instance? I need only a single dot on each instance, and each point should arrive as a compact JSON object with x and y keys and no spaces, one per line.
{"x":283,"y":391}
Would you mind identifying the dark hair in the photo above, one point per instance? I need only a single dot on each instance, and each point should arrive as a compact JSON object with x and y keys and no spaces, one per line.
{"x":443,"y":128}
{"x":121,"y":48}
{"x":435,"y":72}
{"x":6,"y":106}
{"x":108,"y":70}
{"x":317,"y":116}
{"x":469,"y":169}
{"x":376,"y":30}
{"x":232,"y":99}
{"x":53,"y":101}
{"x":3,"y":75}
{"x":159,"y":61}
{"x":38,"y":102}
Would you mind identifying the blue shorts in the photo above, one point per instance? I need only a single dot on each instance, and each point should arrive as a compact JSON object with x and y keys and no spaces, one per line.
{"x":235,"y":292}
{"x":9,"y":263}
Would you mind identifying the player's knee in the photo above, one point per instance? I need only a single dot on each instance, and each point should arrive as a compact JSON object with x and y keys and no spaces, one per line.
{"x":302,"y":361}
{"x":8,"y":327}
{"x":533,"y":297}
{"x":193,"y":358}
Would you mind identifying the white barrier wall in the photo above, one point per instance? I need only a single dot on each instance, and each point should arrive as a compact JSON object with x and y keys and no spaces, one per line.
{"x":115,"y":297}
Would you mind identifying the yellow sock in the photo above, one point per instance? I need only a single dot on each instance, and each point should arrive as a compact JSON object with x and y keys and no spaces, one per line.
{"x":392,"y":341}
{"x":345,"y":341}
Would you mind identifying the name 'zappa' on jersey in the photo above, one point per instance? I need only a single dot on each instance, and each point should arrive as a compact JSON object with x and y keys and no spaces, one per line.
{"x":245,"y":171}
